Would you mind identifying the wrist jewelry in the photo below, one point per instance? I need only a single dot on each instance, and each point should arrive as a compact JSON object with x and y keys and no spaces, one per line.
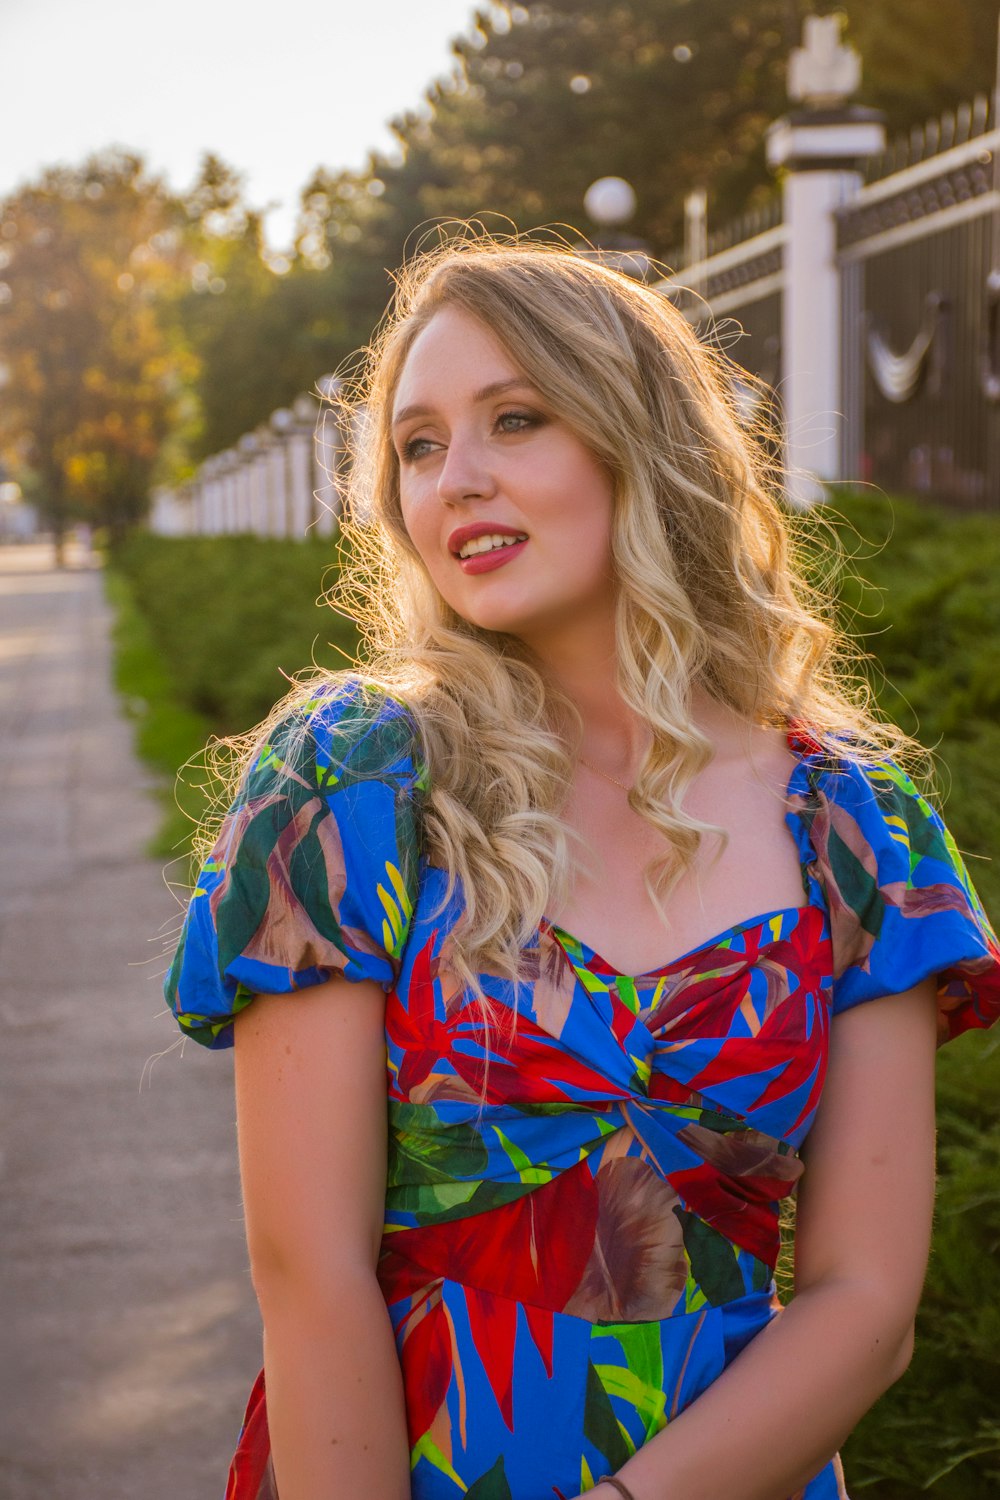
{"x":619,"y":1485}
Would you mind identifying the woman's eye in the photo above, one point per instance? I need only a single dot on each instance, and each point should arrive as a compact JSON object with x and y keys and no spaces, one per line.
{"x":515,"y":416}
{"x":411,"y":450}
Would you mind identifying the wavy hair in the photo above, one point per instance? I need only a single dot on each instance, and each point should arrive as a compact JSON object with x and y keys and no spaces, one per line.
{"x":710,"y":568}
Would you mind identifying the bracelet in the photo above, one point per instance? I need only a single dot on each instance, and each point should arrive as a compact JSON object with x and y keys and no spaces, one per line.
{"x":619,"y":1485}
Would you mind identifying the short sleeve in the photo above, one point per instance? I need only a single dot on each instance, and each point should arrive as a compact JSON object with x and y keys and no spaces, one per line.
{"x":902,"y":907}
{"x":315,"y":868}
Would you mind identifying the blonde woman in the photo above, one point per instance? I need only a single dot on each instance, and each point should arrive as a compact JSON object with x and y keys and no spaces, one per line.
{"x":603,"y":877}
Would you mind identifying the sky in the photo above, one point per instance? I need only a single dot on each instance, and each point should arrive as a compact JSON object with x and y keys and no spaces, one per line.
{"x":274,"y":89}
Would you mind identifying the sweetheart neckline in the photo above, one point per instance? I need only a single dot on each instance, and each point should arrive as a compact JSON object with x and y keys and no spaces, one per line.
{"x":803,"y":748}
{"x":709,"y":943}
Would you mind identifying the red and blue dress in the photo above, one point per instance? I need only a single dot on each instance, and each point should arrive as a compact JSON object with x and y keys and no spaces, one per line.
{"x":568,"y":1265}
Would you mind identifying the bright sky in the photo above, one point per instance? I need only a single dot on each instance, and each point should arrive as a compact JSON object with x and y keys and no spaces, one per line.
{"x":275,"y":89}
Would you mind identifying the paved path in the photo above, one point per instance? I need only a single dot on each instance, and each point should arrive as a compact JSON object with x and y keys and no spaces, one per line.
{"x":129,"y":1329}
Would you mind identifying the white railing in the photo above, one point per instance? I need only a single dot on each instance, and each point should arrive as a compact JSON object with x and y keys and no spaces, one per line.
{"x":279,"y":480}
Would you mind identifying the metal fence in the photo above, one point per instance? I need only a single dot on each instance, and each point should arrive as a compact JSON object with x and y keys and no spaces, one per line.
{"x":917,"y":251}
{"x":918,"y":257}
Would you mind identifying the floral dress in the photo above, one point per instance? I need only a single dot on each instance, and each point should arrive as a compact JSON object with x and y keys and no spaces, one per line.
{"x":568,"y":1265}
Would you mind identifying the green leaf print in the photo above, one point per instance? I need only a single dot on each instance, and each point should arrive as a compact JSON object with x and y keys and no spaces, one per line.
{"x":710,"y":1119}
{"x":640,"y":1344}
{"x":649,"y":1403}
{"x":600,"y":1425}
{"x":430,"y":1204}
{"x":492,"y":1485}
{"x":713,"y":1260}
{"x":856,"y":884}
{"x":422,"y":1154}
{"x":398,"y":909}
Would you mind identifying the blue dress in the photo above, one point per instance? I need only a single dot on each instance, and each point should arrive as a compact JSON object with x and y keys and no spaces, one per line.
{"x":581,"y":1237}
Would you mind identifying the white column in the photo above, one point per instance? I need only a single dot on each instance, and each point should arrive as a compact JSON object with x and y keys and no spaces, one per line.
{"x":300,"y":479}
{"x":259,"y":492}
{"x":811,"y":352}
{"x":302,"y":465}
{"x":279,"y":488}
{"x":213,"y":516}
{"x":359,"y":422}
{"x":228,"y":464}
{"x":327,"y":458}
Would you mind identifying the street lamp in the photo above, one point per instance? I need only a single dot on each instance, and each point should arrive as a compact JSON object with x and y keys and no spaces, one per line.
{"x":610,"y":202}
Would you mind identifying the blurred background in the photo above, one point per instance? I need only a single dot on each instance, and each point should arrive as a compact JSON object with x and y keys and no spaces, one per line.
{"x":200,"y":215}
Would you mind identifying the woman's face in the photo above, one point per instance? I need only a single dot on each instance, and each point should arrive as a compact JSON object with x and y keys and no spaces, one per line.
{"x":480,"y":459}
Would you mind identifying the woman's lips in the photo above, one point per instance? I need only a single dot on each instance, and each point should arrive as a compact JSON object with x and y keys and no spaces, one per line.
{"x":485,"y":562}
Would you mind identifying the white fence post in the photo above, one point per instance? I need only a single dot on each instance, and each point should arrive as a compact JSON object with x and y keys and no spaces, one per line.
{"x":821,"y":147}
{"x":328,"y":459}
{"x":301,"y":463}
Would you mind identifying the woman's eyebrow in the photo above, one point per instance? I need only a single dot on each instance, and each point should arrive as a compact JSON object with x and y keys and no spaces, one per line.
{"x":483,"y":395}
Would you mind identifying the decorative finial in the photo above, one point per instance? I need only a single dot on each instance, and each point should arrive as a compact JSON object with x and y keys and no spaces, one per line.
{"x":823,"y":72}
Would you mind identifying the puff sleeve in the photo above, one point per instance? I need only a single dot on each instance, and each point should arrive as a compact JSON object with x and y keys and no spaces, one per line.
{"x":315,"y":868}
{"x":902,"y":907}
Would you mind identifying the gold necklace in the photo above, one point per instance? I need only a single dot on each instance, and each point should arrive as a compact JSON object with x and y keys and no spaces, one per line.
{"x":604,"y":774}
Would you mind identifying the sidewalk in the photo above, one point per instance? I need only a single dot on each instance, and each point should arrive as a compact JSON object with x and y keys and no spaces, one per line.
{"x":130,"y":1330}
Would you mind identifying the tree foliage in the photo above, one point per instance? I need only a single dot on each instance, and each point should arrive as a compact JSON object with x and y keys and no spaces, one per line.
{"x":93,"y":382}
{"x":543,"y":98}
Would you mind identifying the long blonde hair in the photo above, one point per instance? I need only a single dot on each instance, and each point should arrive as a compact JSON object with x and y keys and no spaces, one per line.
{"x":710,"y":585}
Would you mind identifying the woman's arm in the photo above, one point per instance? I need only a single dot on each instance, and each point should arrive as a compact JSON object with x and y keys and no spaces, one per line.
{"x":312,"y":1124}
{"x":783,"y":1407}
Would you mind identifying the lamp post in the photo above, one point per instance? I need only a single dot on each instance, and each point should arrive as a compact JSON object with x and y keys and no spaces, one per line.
{"x":610,"y":202}
{"x":695,"y":235}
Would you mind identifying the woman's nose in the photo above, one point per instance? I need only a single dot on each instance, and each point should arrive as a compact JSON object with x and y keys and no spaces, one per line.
{"x":466,"y":472}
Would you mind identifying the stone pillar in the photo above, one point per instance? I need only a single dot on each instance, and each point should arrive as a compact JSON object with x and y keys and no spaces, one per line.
{"x":821,"y":148}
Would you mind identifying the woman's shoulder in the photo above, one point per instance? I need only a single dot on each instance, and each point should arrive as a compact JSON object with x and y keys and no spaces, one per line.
{"x":345,"y":729}
{"x":865,"y":807}
{"x":316,"y":867}
{"x":901,"y":901}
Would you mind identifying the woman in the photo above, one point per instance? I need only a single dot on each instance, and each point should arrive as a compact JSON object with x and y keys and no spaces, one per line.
{"x":599,"y":700}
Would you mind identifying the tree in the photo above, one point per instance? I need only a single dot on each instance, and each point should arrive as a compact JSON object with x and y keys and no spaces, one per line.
{"x":92,"y":379}
{"x":545,"y":97}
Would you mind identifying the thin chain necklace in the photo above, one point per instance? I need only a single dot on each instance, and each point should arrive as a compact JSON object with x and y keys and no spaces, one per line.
{"x":597,"y":772}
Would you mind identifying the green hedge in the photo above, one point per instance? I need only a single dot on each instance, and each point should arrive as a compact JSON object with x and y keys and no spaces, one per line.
{"x":207,"y":629}
{"x":224,"y":617}
{"x":231,"y":614}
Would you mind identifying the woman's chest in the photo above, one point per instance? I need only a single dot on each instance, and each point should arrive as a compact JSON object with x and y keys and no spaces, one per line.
{"x":755,"y":869}
{"x":740,"y":1026}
